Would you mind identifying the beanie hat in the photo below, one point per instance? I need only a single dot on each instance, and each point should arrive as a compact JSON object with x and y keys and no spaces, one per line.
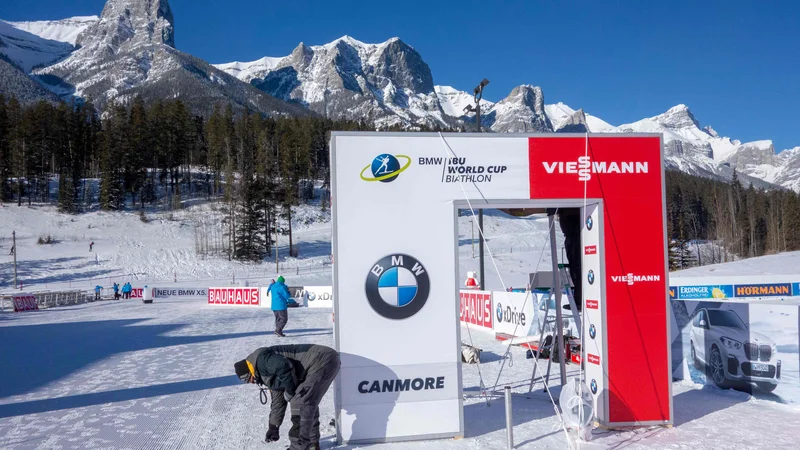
{"x":242,"y":371}
{"x":281,"y":279}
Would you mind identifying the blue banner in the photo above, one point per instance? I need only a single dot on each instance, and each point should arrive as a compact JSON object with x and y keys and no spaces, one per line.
{"x":673,"y":292}
{"x":763,"y":290}
{"x":704,"y":292}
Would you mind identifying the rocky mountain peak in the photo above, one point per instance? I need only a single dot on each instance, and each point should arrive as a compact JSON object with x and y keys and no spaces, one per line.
{"x":522,"y":111}
{"x":404,"y":66}
{"x":576,"y":123}
{"x":127,"y":24}
{"x":677,"y":117}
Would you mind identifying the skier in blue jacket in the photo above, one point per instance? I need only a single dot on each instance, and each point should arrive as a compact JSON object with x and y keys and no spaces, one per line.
{"x":280,"y":298}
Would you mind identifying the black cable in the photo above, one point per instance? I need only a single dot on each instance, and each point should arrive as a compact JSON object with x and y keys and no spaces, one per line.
{"x":263,"y":396}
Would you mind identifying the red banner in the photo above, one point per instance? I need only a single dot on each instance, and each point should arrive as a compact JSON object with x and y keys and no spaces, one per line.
{"x":626,"y":174}
{"x":137,"y":293}
{"x":25,"y":303}
{"x":592,"y":304}
{"x":590,"y":250}
{"x":594,"y":359}
{"x":476,"y":308}
{"x":248,"y":296}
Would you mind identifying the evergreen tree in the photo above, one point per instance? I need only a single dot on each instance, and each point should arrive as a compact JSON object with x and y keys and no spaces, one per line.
{"x":114,"y":143}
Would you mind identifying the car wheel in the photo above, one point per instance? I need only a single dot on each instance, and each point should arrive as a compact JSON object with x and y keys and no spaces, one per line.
{"x":695,"y":361}
{"x":715,"y":367}
{"x":766,"y":387}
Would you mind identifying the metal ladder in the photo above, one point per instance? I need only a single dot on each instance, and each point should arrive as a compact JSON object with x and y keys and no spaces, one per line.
{"x":565,"y":284}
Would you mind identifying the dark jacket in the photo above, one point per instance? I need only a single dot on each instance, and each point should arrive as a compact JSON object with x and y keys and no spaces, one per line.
{"x":280,"y":296}
{"x":284,"y":367}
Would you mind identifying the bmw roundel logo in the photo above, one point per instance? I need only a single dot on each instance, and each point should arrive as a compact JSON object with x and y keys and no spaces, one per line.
{"x":589,"y":223}
{"x":591,"y":277}
{"x":397,"y":286}
{"x":499,"y":312}
{"x":593,"y":386}
{"x":592,"y":331}
{"x":385,"y":168}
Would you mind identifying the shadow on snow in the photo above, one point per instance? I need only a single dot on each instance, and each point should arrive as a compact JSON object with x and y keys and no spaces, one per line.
{"x":42,"y":354}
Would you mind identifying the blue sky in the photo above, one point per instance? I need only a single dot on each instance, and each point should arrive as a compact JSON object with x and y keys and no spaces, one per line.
{"x":736,"y":64}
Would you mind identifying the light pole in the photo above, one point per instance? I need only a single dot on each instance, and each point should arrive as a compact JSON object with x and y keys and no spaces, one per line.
{"x":472,"y":223}
{"x":14,"y":251}
{"x":477,"y":95}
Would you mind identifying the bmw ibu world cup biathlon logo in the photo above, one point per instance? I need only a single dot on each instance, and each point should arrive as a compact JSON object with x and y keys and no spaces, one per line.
{"x":593,"y":386}
{"x":591,"y":277}
{"x":592,"y":331}
{"x":385,"y":168}
{"x":499,"y":312}
{"x":397,"y":286}
{"x":589,"y":223}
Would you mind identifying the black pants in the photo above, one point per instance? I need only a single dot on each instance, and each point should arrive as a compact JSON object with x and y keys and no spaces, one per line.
{"x":570,"y":221}
{"x":305,"y":404}
{"x":281,"y":318}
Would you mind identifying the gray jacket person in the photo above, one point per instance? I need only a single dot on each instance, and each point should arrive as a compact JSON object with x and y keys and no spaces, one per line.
{"x":298,"y":374}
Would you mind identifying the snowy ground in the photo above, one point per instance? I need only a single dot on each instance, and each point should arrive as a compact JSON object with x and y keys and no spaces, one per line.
{"x":781,"y":264}
{"x":128,"y":375}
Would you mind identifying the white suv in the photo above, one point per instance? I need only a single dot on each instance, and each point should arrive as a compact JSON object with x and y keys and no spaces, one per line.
{"x":723,"y":346}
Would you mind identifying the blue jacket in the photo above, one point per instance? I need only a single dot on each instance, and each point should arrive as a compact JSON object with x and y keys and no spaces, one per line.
{"x":280,"y":296}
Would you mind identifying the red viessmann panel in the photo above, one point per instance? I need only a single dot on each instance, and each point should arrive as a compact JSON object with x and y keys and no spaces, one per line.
{"x":626,"y":173}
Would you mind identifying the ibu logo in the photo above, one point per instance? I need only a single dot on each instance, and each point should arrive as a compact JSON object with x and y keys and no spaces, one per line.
{"x":499,"y":312}
{"x":593,"y":386}
{"x":385,"y":168}
{"x":397,"y":286}
{"x":590,"y":277}
{"x":592,"y":331}
{"x":589,"y":223}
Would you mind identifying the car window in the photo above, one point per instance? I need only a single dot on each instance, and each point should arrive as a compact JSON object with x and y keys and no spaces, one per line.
{"x":726,"y":319}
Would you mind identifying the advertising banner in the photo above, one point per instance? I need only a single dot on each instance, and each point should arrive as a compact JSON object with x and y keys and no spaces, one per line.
{"x":751,"y":347}
{"x":179,"y":292}
{"x":137,"y":293}
{"x":626,"y":174}
{"x":513,"y":312}
{"x":476,"y":309}
{"x":234,"y":296}
{"x":747,"y":288}
{"x":395,"y":271}
{"x":318,"y":296}
{"x":25,"y":302}
{"x":395,"y":201}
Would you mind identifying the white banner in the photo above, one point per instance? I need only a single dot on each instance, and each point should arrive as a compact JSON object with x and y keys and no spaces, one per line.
{"x":318,"y":296}
{"x":179,"y":292}
{"x":513,"y":312}
{"x":395,"y":286}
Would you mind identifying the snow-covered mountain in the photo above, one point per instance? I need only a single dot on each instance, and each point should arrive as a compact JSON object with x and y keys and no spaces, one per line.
{"x":27,"y":50}
{"x":387,"y":83}
{"x":130,"y":50}
{"x":454,"y":101}
{"x":65,"y":30}
{"x":562,"y":116}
